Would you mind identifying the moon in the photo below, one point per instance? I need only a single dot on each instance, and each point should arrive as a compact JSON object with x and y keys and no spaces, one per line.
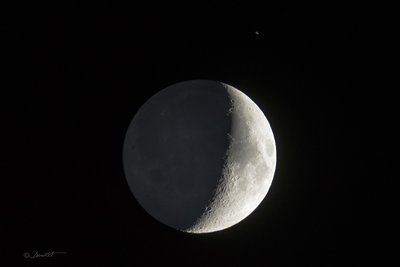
{"x":199,"y":156}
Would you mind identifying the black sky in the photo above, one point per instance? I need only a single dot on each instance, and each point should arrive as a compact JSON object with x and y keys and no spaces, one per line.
{"x":78,"y":72}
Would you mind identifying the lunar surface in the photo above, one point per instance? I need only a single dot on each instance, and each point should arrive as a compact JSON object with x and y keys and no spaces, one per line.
{"x":199,"y":156}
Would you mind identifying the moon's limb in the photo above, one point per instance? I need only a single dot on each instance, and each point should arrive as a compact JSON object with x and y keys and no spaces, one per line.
{"x":249,"y":167}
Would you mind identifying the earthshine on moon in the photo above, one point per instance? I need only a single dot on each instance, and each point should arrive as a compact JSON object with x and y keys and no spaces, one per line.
{"x":199,"y":156}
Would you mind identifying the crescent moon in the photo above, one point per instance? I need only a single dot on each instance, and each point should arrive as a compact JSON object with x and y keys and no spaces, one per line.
{"x":199,"y":156}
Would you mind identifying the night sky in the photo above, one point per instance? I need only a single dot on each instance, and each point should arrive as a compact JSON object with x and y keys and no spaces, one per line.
{"x":78,"y":72}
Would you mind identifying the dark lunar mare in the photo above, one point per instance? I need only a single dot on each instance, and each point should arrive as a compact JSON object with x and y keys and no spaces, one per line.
{"x":174,"y":150}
